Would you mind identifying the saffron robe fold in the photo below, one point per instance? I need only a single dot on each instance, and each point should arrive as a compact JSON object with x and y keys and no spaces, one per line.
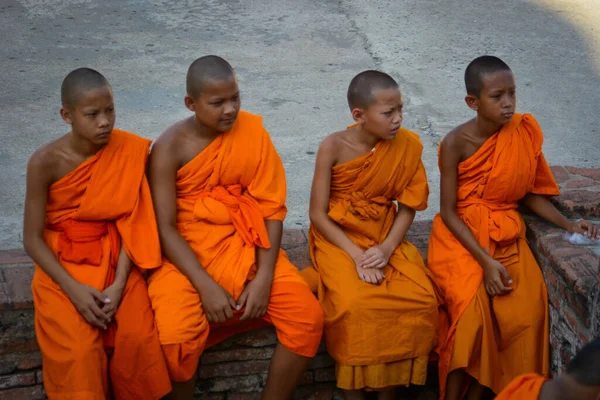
{"x":524,"y":387}
{"x":379,"y":335}
{"x":495,"y":339}
{"x":224,"y":195}
{"x":90,"y":211}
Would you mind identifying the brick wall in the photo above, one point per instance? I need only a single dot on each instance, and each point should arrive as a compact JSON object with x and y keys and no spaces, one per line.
{"x":236,"y":368}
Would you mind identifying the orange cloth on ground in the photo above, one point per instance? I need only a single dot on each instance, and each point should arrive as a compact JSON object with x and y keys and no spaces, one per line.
{"x":104,"y":201}
{"x":495,"y":339}
{"x":224,"y":195}
{"x":525,"y":387}
{"x":379,"y":335}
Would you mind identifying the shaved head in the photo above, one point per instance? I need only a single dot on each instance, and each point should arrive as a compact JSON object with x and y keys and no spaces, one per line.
{"x":77,"y":81}
{"x":585,"y":367}
{"x":478,"y":68}
{"x":362,"y":86}
{"x":207,"y":69}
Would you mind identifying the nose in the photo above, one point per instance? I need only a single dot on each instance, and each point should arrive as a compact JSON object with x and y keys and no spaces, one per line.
{"x":229,"y":108}
{"x":507,"y":103}
{"x":103,"y":120}
{"x":397,"y":119}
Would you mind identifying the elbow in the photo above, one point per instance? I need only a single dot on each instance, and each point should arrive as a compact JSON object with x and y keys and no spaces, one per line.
{"x":446,"y":214}
{"x":28,"y":243}
{"x":314,"y":216}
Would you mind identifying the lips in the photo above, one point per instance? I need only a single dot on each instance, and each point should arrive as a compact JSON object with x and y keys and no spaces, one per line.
{"x":508,"y":115}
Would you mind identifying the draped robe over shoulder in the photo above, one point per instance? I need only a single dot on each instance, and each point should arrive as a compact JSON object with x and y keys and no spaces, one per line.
{"x":224,"y":195}
{"x":104,"y":202}
{"x":495,"y":339}
{"x":379,"y":335}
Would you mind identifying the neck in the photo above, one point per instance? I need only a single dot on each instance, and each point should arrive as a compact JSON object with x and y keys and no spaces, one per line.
{"x":83,"y":146}
{"x":366,"y":138}
{"x":486,"y":127}
{"x":202,"y":130}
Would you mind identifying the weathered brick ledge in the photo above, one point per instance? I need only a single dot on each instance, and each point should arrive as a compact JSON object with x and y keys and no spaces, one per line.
{"x":236,"y":369}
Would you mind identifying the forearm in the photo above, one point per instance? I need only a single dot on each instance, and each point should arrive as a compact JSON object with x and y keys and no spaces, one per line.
{"x":41,"y":254}
{"x":123,"y":268}
{"x":267,"y":258}
{"x":399,"y":228}
{"x":545,"y":209}
{"x":179,"y":252}
{"x":335,"y":235}
{"x":463,"y":234}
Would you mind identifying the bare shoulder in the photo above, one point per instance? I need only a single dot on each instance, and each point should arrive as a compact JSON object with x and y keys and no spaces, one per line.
{"x":456,"y":140}
{"x":331,"y":146}
{"x":172,"y":137}
{"x":44,"y":162}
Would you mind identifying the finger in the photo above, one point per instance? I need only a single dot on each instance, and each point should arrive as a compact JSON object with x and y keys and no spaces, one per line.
{"x":101,"y":297}
{"x":210,"y":317}
{"x":247,"y":313}
{"x":505,"y":275}
{"x":98,"y":312}
{"x":368,"y":260}
{"x":228,"y":312}
{"x":242,"y":300}
{"x":220,"y":316}
{"x":232,"y":302}
{"x":93,"y":320}
{"x":372,"y":263}
{"x":381,"y":265}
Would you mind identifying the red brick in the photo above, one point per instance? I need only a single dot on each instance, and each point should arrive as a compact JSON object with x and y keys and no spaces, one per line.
{"x":579,"y":203}
{"x":5,"y":301}
{"x":581,"y":183}
{"x":14,"y":256}
{"x":553,"y":299}
{"x":592,"y":173}
{"x":16,"y":380}
{"x":292,"y":238}
{"x":39,"y":377}
{"x":560,"y":174}
{"x":315,"y":392}
{"x":18,"y":278}
{"x":307,"y":378}
{"x":237,"y":354}
{"x":25,"y":393}
{"x":572,"y":320}
{"x":233,"y":369}
{"x":325,"y":375}
{"x":32,"y":362}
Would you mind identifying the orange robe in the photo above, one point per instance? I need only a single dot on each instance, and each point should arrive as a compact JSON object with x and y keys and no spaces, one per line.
{"x":224,"y":195}
{"x":495,"y":339}
{"x":379,"y":335}
{"x":90,"y":211}
{"x":525,"y":387}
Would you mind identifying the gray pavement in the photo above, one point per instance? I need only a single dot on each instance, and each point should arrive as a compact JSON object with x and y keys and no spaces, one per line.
{"x":294,"y":59}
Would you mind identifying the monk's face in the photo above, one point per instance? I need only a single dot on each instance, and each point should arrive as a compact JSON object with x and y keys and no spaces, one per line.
{"x":384,"y":116}
{"x":93,"y":116}
{"x":218,"y":104}
{"x":498,"y":100}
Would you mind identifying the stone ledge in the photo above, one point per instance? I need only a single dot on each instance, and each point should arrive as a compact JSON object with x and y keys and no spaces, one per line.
{"x":236,"y":368}
{"x":580,"y":187}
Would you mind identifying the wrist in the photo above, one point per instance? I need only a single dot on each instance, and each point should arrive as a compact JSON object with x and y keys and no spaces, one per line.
{"x":68,"y":285}
{"x":264,"y":273}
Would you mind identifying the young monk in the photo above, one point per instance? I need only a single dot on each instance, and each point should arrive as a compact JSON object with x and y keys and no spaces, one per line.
{"x":88,"y":223}
{"x":379,"y":302}
{"x":580,"y":382}
{"x":219,"y":190}
{"x":493,"y":288}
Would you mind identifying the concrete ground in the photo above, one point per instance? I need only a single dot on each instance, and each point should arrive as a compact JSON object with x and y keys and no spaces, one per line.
{"x":294,"y":59}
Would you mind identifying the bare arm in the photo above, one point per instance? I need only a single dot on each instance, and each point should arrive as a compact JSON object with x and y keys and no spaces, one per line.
{"x":542,"y":206}
{"x":450,"y":158}
{"x":83,"y":297}
{"x":497,"y":280}
{"x":162,"y":173}
{"x":267,"y":258}
{"x":319,"y":202}
{"x":401,"y":224}
{"x":36,"y":197}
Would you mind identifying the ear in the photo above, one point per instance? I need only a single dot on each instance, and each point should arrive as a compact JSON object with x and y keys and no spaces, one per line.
{"x":66,"y":115}
{"x":472,"y":102}
{"x":190,"y":103}
{"x":358,"y":115}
